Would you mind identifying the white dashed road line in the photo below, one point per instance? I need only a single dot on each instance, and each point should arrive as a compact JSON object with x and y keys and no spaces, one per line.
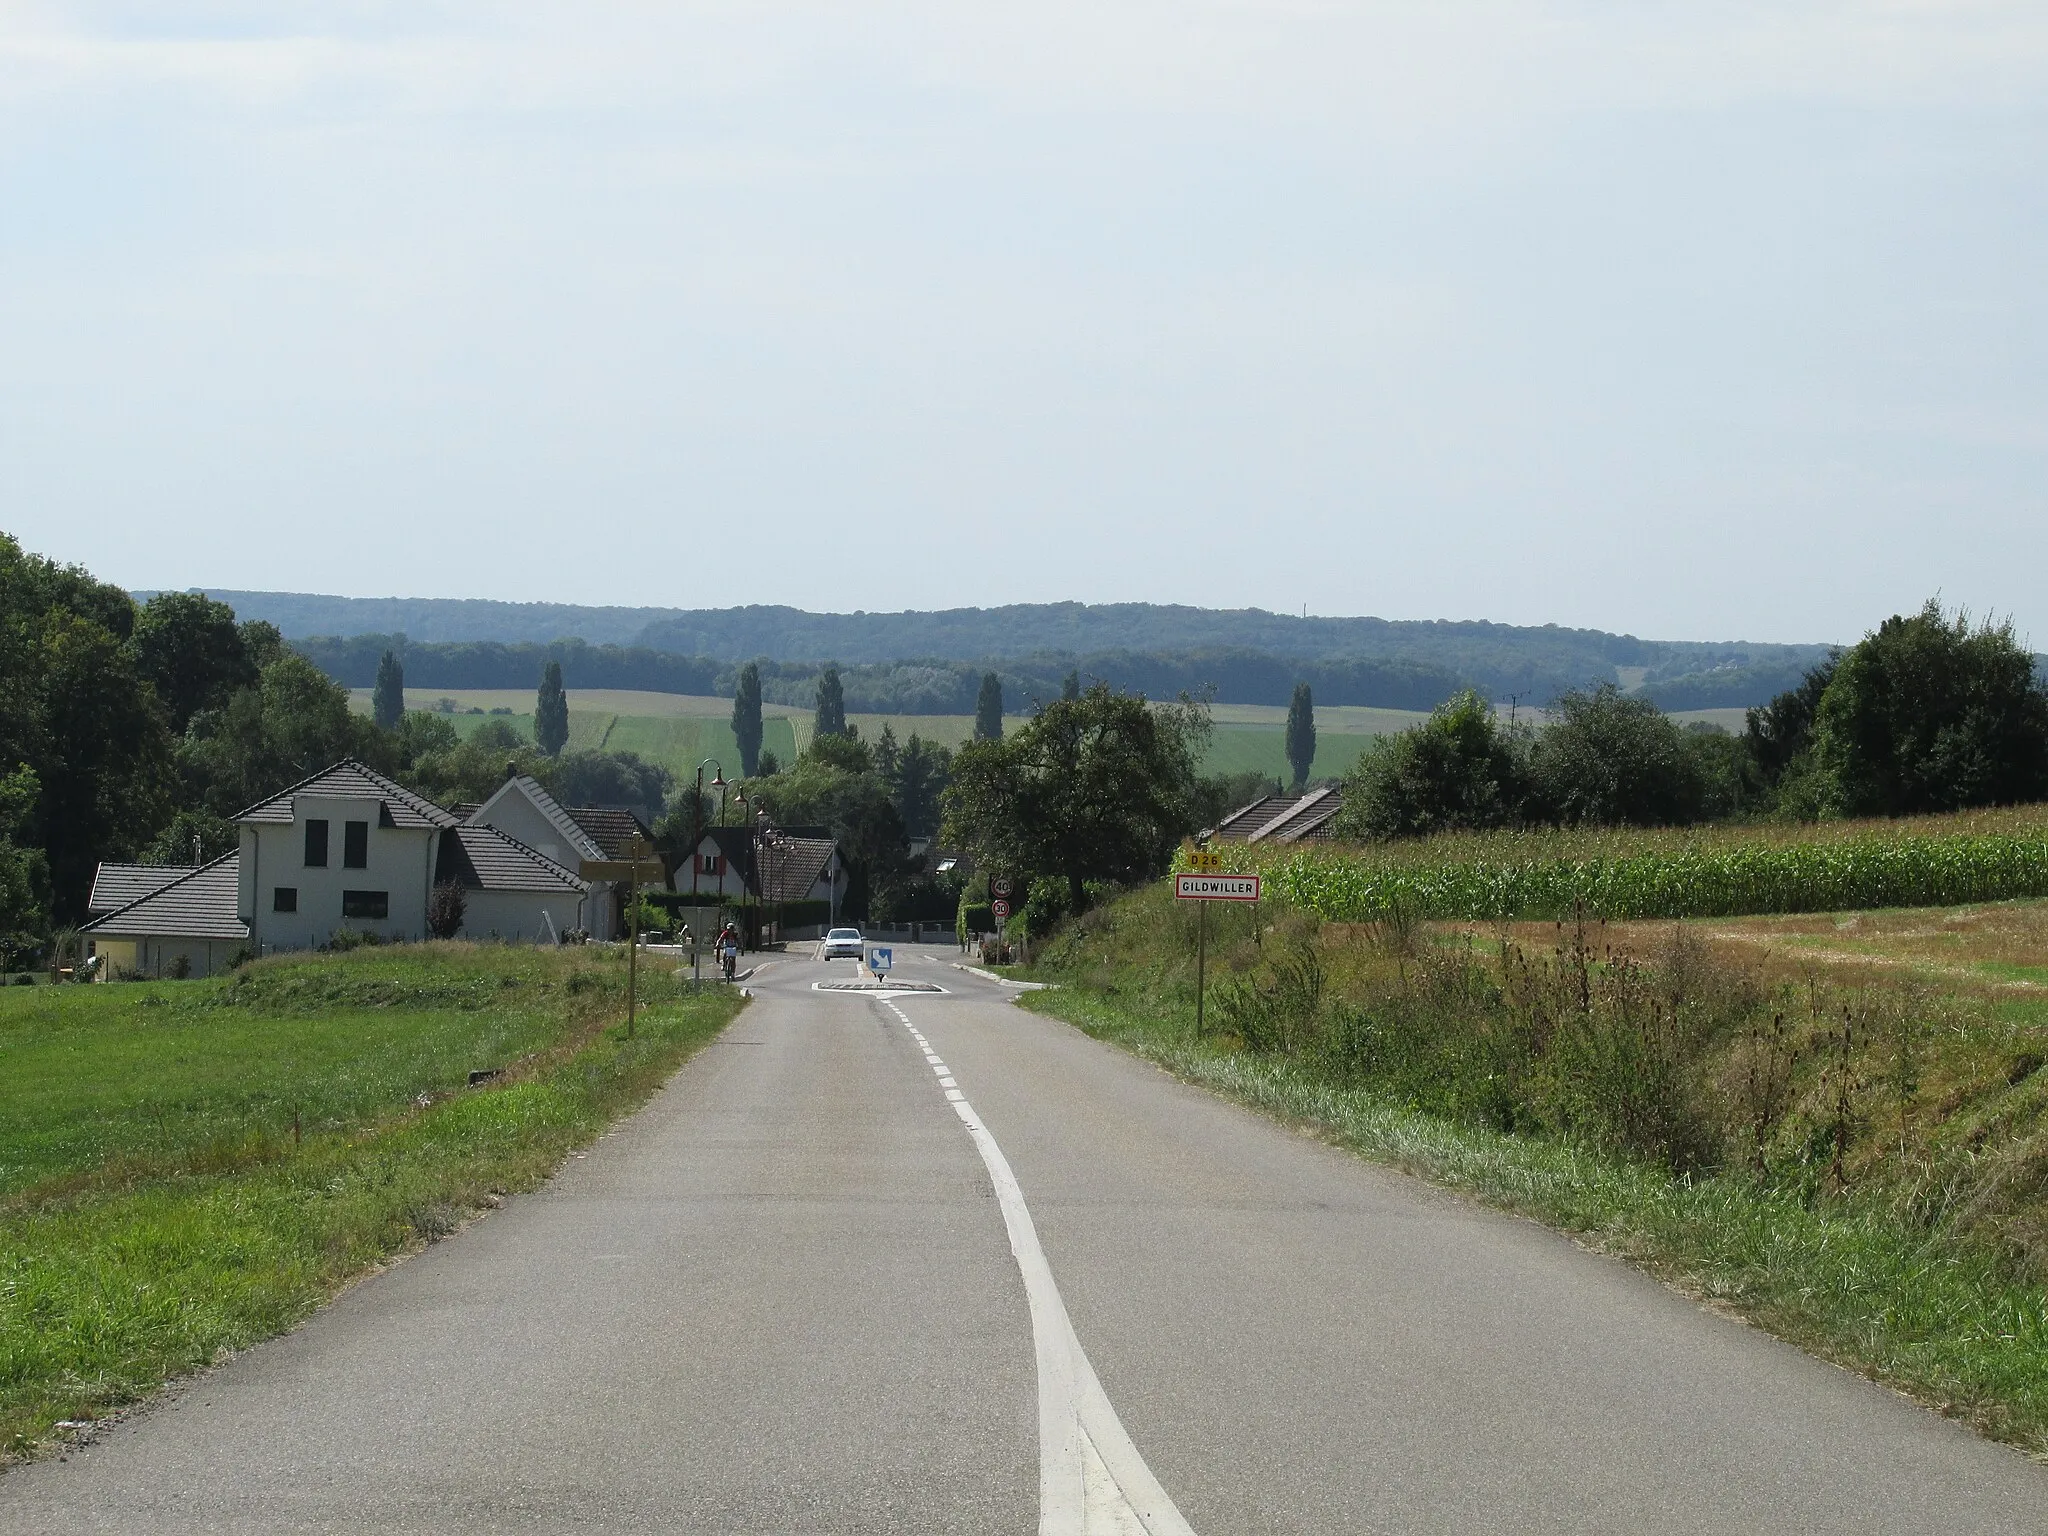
{"x":1091,"y":1479}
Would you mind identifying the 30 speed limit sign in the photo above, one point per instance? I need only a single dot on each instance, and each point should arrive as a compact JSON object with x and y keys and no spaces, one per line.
{"x":1001,"y":907}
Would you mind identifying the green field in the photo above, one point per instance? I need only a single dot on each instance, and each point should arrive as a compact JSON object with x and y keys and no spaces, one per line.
{"x":186,"y":1167}
{"x":679,"y":731}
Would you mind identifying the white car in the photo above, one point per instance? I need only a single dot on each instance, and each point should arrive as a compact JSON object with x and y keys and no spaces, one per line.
{"x":842,"y":944}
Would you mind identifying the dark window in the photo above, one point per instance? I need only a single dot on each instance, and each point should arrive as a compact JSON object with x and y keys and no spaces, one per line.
{"x":365,"y":903}
{"x":316,"y":845}
{"x":285,"y":898}
{"x":355,"y":845}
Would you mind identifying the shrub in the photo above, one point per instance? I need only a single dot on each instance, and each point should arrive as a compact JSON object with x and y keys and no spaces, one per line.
{"x":446,"y":907}
{"x":1460,"y":770}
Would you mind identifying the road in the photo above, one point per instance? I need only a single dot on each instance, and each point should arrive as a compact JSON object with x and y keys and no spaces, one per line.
{"x":929,"y":1263}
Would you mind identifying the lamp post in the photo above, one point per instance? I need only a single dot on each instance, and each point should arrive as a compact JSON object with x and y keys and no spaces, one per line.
{"x":697,"y":857}
{"x":697,"y":810}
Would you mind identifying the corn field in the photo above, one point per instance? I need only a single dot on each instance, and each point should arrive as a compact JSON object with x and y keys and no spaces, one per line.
{"x":1877,"y":868}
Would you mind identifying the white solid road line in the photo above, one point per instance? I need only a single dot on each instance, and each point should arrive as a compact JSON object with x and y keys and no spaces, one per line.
{"x":1091,"y":1479}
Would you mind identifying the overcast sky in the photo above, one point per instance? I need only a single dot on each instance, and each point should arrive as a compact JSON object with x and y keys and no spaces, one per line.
{"x":1696,"y":320}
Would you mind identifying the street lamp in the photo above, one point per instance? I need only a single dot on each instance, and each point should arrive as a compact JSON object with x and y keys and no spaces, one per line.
{"x":697,"y":810}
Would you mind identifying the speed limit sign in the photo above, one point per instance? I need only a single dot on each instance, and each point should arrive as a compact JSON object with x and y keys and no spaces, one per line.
{"x":1000,"y":885}
{"x":1000,"y":907}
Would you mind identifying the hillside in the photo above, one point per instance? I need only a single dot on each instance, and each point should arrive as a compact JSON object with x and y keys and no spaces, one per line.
{"x":1246,"y":655}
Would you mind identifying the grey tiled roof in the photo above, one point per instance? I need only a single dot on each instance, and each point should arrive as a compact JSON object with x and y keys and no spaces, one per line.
{"x":1307,"y":817}
{"x":349,"y":779}
{"x":200,"y":904}
{"x":580,"y":841}
{"x":485,"y":859}
{"x":612,"y":830}
{"x":1282,"y":818}
{"x":1241,"y":824}
{"x":115,"y":885}
{"x":788,"y":872}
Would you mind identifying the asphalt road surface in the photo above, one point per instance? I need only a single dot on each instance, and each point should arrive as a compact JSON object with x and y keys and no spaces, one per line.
{"x":928,"y":1263}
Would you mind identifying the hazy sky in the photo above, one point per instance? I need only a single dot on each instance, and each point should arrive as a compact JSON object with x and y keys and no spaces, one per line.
{"x":1700,"y":320}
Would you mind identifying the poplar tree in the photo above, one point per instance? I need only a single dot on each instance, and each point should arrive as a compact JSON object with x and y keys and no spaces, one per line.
{"x":387,"y":703}
{"x":1301,"y":733}
{"x":551,"y":711}
{"x":746,"y":718}
{"x":830,"y":719}
{"x":988,"y":709}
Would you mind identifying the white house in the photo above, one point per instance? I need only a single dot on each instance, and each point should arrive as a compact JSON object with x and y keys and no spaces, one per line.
{"x":781,"y":864}
{"x":596,"y":842}
{"x":347,"y":848}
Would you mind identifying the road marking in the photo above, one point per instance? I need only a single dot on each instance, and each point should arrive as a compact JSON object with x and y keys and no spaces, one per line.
{"x":1091,"y":1479}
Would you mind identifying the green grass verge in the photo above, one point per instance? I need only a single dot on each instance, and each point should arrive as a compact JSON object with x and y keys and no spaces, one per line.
{"x":1846,"y":1281}
{"x":157,"y":1212}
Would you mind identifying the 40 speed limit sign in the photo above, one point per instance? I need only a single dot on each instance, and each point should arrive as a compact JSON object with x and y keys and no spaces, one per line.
{"x":1216,"y":887}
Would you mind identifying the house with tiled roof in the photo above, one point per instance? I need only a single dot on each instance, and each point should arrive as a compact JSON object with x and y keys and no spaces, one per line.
{"x":1309,"y":817}
{"x":597,"y":842}
{"x":776,"y":864}
{"x":179,"y":919}
{"x":348,"y":848}
{"x":116,"y":885}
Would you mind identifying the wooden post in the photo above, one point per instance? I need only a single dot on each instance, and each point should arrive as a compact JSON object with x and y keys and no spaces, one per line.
{"x":633,"y":940}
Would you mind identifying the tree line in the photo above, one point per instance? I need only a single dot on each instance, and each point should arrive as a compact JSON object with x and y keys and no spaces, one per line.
{"x":136,"y":731}
{"x":1927,"y":713}
{"x":1233,"y":675}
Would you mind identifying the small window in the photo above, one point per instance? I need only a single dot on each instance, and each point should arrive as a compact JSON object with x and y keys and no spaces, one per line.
{"x":710,"y":863}
{"x":316,"y":845}
{"x":365,"y":903}
{"x":285,"y":898}
{"x":355,"y":845}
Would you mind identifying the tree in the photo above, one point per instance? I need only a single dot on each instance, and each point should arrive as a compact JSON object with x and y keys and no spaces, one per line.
{"x":387,"y":700}
{"x":189,"y":649}
{"x":77,"y":712}
{"x":770,"y":765}
{"x":887,"y":753}
{"x":24,"y":872}
{"x":293,"y":723}
{"x":746,"y":718}
{"x":1095,"y":788}
{"x":551,"y":711}
{"x":830,"y":718}
{"x":1781,"y":731}
{"x":988,"y":709}
{"x":472,"y":770}
{"x":1612,"y":759}
{"x":1301,"y":733}
{"x":609,"y":778}
{"x":1460,"y":770}
{"x":1070,"y":686}
{"x":447,"y":905}
{"x":918,"y":780}
{"x":834,"y":785}
{"x":1929,"y":714}
{"x":106,"y":767}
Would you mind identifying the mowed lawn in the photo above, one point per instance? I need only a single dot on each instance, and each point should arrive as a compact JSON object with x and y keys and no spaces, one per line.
{"x":187,"y":1167}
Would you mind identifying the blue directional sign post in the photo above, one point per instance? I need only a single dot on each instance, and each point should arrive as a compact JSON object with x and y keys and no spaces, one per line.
{"x":881,"y":960}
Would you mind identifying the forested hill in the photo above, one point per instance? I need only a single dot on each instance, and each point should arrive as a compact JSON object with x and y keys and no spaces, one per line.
{"x":1249,"y":655}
